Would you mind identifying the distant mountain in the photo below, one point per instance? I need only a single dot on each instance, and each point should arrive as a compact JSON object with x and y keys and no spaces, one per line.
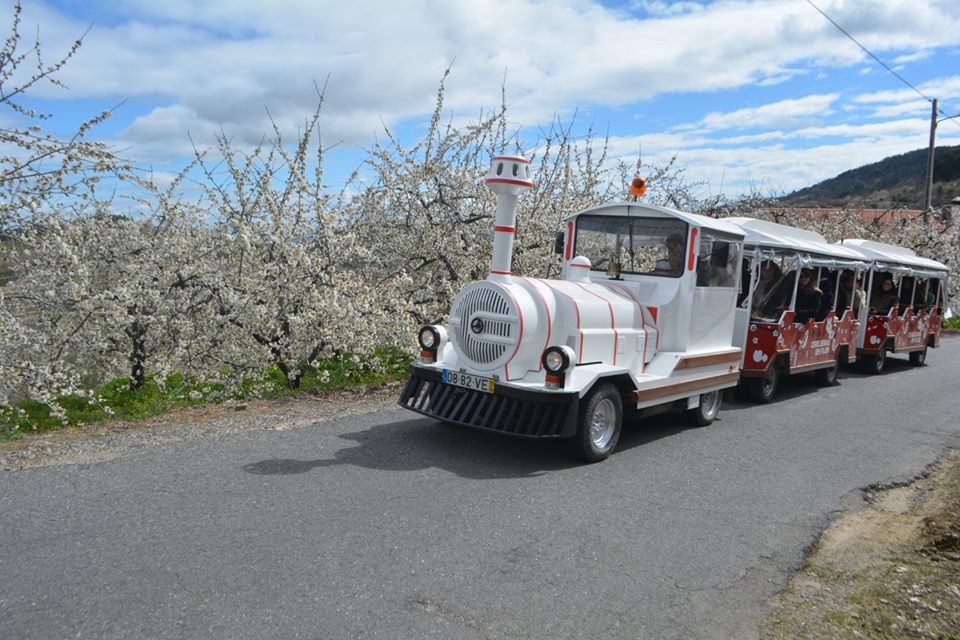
{"x":897,"y":181}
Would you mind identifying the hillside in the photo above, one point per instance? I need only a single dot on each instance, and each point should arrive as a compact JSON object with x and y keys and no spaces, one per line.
{"x":897,"y":181}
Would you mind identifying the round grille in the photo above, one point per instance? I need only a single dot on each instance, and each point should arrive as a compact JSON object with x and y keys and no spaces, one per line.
{"x":485,"y":325}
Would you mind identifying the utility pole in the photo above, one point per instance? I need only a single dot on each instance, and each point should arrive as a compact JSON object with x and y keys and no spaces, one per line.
{"x":928,"y":199}
{"x":933,"y":141}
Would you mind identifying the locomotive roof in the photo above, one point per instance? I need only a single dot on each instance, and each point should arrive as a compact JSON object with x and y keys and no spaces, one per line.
{"x":631,"y":209}
{"x":891,"y":255}
{"x":763,"y":233}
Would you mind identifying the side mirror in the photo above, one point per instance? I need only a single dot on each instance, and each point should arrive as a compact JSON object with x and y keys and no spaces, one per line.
{"x":558,"y":243}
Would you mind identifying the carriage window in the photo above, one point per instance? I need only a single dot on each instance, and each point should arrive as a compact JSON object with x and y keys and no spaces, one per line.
{"x":849,"y":291}
{"x":934,"y":298}
{"x":884,"y":296}
{"x":651,"y":246}
{"x":718,"y":262}
{"x":920,"y":290}
{"x":773,"y":290}
{"x":907,"y":285}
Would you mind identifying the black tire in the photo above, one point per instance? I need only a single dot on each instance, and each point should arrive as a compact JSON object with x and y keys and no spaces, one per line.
{"x":917,"y":358}
{"x":762,"y":390}
{"x":706,"y":412}
{"x":599,"y":423}
{"x":874,"y":363}
{"x":827,"y":377}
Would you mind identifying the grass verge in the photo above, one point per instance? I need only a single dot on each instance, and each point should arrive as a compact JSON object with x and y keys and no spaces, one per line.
{"x":116,"y":399}
{"x":952,"y":325}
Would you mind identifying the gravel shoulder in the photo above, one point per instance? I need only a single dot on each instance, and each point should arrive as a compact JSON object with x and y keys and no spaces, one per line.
{"x":101,"y":442}
{"x":890,"y":570}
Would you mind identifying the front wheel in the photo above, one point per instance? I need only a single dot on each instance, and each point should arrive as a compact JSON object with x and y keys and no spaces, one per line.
{"x":599,"y":423}
{"x":874,"y":363}
{"x":762,"y":390}
{"x":917,"y":358}
{"x":707,"y":411}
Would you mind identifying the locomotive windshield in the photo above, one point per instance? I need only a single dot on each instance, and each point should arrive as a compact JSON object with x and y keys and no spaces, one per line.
{"x":648,"y":246}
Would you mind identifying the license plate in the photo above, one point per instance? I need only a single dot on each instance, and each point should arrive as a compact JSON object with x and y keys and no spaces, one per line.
{"x":468,"y":381}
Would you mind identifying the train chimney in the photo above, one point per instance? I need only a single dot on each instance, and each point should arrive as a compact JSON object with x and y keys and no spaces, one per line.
{"x":509,"y":176}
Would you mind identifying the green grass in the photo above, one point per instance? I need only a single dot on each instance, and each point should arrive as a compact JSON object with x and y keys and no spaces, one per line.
{"x":952,"y":323}
{"x":116,"y":400}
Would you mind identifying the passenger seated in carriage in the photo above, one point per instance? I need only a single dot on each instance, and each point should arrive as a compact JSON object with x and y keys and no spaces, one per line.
{"x":828,"y":287}
{"x":770,"y":296}
{"x":808,"y":297}
{"x":906,"y":293}
{"x":847,"y":286}
{"x":921,"y":295}
{"x":885,"y":297}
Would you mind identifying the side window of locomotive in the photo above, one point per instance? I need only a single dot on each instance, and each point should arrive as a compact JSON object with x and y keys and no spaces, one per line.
{"x":745,"y":271}
{"x":718,"y":262}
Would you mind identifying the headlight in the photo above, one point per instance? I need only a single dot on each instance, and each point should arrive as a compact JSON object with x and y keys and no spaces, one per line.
{"x":557,"y":359}
{"x":429,"y":337}
{"x":553,"y":361}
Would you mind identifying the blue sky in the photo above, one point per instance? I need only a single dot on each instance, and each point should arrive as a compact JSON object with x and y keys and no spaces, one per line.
{"x":751,"y":94}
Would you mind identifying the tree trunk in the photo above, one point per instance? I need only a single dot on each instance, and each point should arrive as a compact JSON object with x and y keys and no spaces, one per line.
{"x":138,"y":355}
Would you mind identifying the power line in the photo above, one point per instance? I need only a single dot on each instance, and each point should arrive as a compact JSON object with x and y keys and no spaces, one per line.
{"x":879,"y":61}
{"x":933,"y":116}
{"x":869,"y":53}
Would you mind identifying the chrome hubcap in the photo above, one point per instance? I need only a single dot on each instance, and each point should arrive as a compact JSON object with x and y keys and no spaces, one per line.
{"x":709,"y":404}
{"x":602,"y":423}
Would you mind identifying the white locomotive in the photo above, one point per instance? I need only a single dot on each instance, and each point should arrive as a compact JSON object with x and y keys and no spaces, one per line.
{"x":642,"y":321}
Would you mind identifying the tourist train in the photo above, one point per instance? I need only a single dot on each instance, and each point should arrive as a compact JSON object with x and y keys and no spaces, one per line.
{"x":660,"y":310}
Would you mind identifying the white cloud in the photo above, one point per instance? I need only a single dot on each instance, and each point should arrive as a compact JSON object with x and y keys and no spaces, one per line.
{"x":223,"y":62}
{"x":775,"y":163}
{"x":911,"y":57}
{"x":911,"y":107}
{"x":785,"y":113}
{"x":941,"y":88}
{"x":658,"y":8}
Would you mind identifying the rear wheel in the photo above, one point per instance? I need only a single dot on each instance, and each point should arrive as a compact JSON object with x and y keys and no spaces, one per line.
{"x":917,"y":358}
{"x":599,"y":424}
{"x":827,"y":377}
{"x":708,"y":409}
{"x":874,"y":363}
{"x":762,"y":390}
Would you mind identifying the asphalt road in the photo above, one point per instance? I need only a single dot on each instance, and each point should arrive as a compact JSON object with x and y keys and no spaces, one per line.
{"x":394,"y":526}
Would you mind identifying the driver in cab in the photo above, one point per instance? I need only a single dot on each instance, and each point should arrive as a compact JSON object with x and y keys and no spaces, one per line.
{"x":672,"y":264}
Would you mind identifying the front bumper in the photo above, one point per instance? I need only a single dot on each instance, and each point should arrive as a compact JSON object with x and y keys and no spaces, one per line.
{"x":510,"y":410}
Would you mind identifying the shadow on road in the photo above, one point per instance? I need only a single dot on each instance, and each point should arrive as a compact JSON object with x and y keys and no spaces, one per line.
{"x":418,"y":444}
{"x":894,"y":365}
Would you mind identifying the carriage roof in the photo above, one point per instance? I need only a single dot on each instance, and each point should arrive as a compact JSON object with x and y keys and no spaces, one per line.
{"x":891,"y":257}
{"x":765,"y":234}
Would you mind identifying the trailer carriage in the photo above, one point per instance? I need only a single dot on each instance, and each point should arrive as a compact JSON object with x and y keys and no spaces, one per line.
{"x":780,"y":336}
{"x":913,"y":323}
